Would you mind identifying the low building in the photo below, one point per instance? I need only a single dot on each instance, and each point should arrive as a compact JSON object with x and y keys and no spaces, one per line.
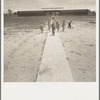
{"x":53,"y":12}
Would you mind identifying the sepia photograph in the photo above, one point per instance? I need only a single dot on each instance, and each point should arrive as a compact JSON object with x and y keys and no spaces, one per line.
{"x":49,"y":41}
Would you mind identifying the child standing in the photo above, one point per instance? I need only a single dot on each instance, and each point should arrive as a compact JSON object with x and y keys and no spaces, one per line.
{"x":53,"y":28}
{"x":49,"y":24}
{"x":57,"y":25}
{"x":63,"y":26}
{"x":42,"y":28}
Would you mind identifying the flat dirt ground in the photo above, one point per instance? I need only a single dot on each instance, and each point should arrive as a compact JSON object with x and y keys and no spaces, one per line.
{"x":80,"y":47}
{"x":24,"y":45}
{"x":23,"y":48}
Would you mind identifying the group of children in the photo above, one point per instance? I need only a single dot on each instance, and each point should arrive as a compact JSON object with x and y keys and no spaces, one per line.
{"x":53,"y":24}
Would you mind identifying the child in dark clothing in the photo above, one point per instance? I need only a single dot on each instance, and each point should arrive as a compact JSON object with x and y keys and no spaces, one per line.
{"x":69,"y":25}
{"x":53,"y":28}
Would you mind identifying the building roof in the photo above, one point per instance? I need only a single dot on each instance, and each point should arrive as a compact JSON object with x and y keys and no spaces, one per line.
{"x":56,"y":10}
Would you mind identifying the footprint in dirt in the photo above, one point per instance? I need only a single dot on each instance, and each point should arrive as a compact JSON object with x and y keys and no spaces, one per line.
{"x":67,"y":58}
{"x":78,"y":54}
{"x":84,"y":72}
{"x":84,"y":78}
{"x":72,"y":51}
{"x":89,"y":45}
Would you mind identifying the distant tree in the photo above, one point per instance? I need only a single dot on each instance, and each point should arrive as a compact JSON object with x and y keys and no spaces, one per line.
{"x":94,"y":12}
{"x":15,"y":13}
{"x":10,"y":12}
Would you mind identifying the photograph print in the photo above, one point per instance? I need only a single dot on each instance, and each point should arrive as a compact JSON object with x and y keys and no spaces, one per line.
{"x":49,"y":41}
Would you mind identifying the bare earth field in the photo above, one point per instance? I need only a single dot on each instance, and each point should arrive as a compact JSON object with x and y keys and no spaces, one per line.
{"x":24,"y":45}
{"x":23,"y":48}
{"x":80,"y":48}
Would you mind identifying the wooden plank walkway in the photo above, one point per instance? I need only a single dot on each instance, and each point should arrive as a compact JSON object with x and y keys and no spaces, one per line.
{"x":54,"y":65}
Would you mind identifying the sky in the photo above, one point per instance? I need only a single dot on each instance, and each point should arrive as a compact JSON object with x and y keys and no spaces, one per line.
{"x":27,"y":5}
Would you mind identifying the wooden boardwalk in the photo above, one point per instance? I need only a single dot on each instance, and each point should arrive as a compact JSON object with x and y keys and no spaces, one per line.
{"x":54,"y":65}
